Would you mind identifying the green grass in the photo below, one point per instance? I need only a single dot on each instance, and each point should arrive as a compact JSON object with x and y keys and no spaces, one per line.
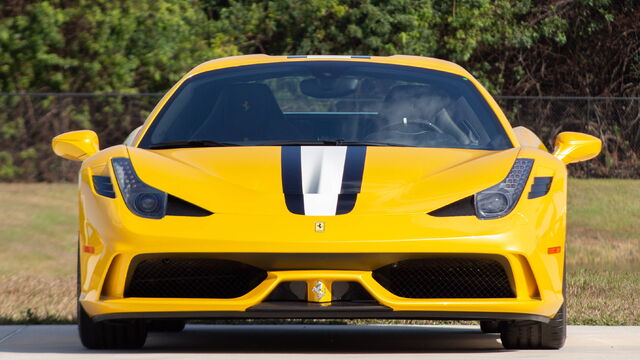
{"x":603,"y":252}
{"x":38,"y":240}
{"x":607,"y":207}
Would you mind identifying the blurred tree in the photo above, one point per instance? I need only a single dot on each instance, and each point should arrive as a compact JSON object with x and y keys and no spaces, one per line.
{"x":543,"y":47}
{"x":452,"y":30}
{"x":145,"y":45}
{"x":102,"y":45}
{"x":89,"y":46}
{"x":509,"y":45}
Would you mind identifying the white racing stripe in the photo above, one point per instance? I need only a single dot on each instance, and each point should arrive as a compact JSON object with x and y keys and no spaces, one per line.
{"x":322,"y":169}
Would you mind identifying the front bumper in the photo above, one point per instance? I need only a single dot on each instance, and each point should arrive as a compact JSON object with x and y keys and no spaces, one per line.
{"x":251,"y":305}
{"x":535,"y":297}
{"x":288,"y":247}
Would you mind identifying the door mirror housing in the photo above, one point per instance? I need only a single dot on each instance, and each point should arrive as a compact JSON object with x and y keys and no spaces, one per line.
{"x":76,"y":145}
{"x":572,"y":147}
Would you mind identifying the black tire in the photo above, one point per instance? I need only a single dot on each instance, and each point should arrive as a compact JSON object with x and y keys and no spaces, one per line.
{"x":110,"y":334}
{"x":535,"y":335}
{"x":121,"y":334}
{"x":166,"y":325}
{"x":490,"y":326}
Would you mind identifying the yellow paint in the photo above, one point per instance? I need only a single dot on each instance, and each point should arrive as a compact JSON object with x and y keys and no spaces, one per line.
{"x":242,"y":186}
{"x":76,"y":145}
{"x":572,"y":147}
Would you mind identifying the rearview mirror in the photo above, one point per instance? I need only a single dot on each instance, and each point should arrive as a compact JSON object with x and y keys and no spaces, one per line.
{"x":76,"y":145}
{"x":571,"y":147}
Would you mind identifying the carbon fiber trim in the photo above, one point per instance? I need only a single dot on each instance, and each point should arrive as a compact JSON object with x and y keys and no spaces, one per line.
{"x":322,"y":313}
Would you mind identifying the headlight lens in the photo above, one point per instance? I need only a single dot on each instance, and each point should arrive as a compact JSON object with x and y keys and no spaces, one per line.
{"x":498,"y":201}
{"x":142,"y":199}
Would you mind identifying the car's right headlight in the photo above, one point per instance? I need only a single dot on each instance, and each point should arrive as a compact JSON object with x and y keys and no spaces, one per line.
{"x":498,"y":201}
{"x":142,"y":199}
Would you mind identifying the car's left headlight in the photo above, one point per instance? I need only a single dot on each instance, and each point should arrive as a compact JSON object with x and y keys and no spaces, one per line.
{"x":142,"y":199}
{"x":498,"y":201}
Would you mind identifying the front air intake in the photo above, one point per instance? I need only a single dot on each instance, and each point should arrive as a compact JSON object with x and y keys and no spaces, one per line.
{"x":193,"y":278}
{"x":445,"y":278}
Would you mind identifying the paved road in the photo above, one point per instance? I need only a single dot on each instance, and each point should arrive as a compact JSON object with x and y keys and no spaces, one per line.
{"x":319,"y":342}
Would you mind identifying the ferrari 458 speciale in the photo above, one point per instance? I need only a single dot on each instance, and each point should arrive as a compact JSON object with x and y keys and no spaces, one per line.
{"x":323,"y":187}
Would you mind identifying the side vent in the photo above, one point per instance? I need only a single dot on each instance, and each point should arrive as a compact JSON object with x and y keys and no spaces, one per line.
{"x":179,"y":207}
{"x":540,"y":187}
{"x":103,"y":186}
{"x":462,"y":207}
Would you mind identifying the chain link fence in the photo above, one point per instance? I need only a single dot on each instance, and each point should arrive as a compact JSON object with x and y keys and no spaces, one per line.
{"x":615,"y":120}
{"x":28,"y":121}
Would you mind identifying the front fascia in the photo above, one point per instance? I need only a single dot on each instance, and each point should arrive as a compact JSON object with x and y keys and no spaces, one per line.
{"x":522,"y":237}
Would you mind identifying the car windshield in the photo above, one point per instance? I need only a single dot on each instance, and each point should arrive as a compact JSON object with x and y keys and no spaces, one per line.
{"x":327,"y":103}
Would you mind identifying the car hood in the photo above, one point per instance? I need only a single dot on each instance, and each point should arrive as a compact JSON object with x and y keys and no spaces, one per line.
{"x":362,"y":180}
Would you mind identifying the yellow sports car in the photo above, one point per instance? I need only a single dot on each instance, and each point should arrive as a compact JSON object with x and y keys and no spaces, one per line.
{"x":323,"y":187}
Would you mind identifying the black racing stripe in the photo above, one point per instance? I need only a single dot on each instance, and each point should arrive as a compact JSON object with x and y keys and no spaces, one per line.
{"x":295,"y":203}
{"x":351,"y":179}
{"x":346,"y":202}
{"x":292,"y":178}
{"x":540,"y":186}
{"x":353,"y":169}
{"x":291,"y":170}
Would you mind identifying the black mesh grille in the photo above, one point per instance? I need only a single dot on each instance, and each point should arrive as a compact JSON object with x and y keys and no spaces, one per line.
{"x":193,"y":278}
{"x":445,"y":278}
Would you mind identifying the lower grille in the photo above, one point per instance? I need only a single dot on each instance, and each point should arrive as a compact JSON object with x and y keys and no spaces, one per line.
{"x":193,"y":278}
{"x":445,"y":278}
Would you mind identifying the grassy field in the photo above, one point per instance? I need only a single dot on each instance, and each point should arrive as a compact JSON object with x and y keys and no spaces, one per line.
{"x":38,"y":242}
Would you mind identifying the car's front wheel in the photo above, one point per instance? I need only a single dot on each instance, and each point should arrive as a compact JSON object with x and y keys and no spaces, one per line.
{"x":108,"y":334}
{"x":535,"y":335}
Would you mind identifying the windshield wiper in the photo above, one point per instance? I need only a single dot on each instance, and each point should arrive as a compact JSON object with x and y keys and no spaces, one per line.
{"x":190,"y":144}
{"x":337,"y":142}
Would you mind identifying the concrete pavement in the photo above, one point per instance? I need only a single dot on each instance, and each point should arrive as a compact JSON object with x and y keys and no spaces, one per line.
{"x":320,"y":342}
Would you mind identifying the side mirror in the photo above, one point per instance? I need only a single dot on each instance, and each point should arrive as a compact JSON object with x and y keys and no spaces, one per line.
{"x":76,"y":145}
{"x":571,"y":147}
